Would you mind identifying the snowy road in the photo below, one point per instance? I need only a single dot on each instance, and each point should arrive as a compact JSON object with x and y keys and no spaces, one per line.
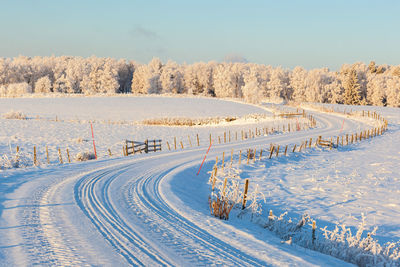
{"x":126,"y":211}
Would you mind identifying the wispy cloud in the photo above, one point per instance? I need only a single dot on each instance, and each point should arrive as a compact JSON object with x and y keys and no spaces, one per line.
{"x":235,"y":58}
{"x":140,"y":31}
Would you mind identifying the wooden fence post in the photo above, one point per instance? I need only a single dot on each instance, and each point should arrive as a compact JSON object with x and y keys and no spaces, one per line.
{"x":190,"y":142}
{"x":313,"y":232}
{"x":294,"y":148}
{"x":248,"y":156}
{"x":198,"y":141}
{"x":224,"y":137}
{"x":254,"y":154}
{"x":60,"y":156}
{"x":175,"y":142}
{"x":109,"y":152}
{"x":69,"y":158}
{"x":181,"y":144}
{"x":169,"y":148}
{"x":219,"y":140}
{"x":260,"y":154}
{"x":246,"y":187}
{"x":34,"y":156}
{"x":286,"y":149}
{"x":229,"y":136}
{"x":146,"y":148}
{"x":272,"y":151}
{"x":47,"y":155}
{"x":240,"y":157}
{"x":337,"y":142}
{"x":277,"y":151}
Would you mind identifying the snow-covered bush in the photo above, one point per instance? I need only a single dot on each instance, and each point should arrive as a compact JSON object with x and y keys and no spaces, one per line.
{"x":19,"y":89}
{"x":226,"y":193}
{"x":19,"y":160}
{"x":84,"y":156}
{"x":43,"y":85}
{"x":14,"y":115}
{"x":3,"y":90}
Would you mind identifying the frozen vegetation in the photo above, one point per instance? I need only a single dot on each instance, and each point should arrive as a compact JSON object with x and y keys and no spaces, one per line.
{"x":152,"y":209}
{"x":354,"y":84}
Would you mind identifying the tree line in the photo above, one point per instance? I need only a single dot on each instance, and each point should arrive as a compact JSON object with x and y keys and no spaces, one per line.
{"x":355,"y":84}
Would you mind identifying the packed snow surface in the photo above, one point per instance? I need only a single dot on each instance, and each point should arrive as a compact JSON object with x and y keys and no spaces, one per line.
{"x":152,"y":209}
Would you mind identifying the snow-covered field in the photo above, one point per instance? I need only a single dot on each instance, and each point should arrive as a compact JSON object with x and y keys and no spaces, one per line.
{"x":153,"y":209}
{"x":65,"y":123}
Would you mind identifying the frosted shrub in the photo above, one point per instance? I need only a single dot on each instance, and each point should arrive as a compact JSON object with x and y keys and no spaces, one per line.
{"x":3,"y":90}
{"x":84,"y":156}
{"x":19,"y":89}
{"x":225,"y":194}
{"x":19,"y":160}
{"x":254,"y":199}
{"x":14,"y":115}
{"x":43,"y":85}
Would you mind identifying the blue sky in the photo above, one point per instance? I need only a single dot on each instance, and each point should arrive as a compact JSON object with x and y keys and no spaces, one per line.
{"x":311,"y":34}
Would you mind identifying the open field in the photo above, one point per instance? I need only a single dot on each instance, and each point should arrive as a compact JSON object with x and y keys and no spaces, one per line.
{"x":152,"y":209}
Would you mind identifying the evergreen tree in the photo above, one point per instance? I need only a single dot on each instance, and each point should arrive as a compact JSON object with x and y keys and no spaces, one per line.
{"x":351,"y":89}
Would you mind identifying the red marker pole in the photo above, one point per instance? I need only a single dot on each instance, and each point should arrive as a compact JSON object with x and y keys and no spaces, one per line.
{"x":204,"y":158}
{"x":94,"y":146}
{"x":342,"y":127}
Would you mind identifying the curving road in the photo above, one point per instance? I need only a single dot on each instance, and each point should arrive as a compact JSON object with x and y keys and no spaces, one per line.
{"x":125,"y":212}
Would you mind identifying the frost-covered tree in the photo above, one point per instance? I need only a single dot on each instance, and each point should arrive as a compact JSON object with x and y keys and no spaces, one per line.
{"x":351,"y":89}
{"x":125,"y":73}
{"x":376,"y":89}
{"x":198,"y":79}
{"x":393,"y":91}
{"x":228,"y":80}
{"x":372,"y":67}
{"x":335,"y":91}
{"x":43,"y":85}
{"x":146,"y":78}
{"x":171,"y":78}
{"x":278,"y":85}
{"x":298,"y":84}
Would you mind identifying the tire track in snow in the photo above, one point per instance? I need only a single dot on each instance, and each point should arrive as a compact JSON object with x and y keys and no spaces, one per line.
{"x":123,"y":238}
{"x":144,"y":197}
